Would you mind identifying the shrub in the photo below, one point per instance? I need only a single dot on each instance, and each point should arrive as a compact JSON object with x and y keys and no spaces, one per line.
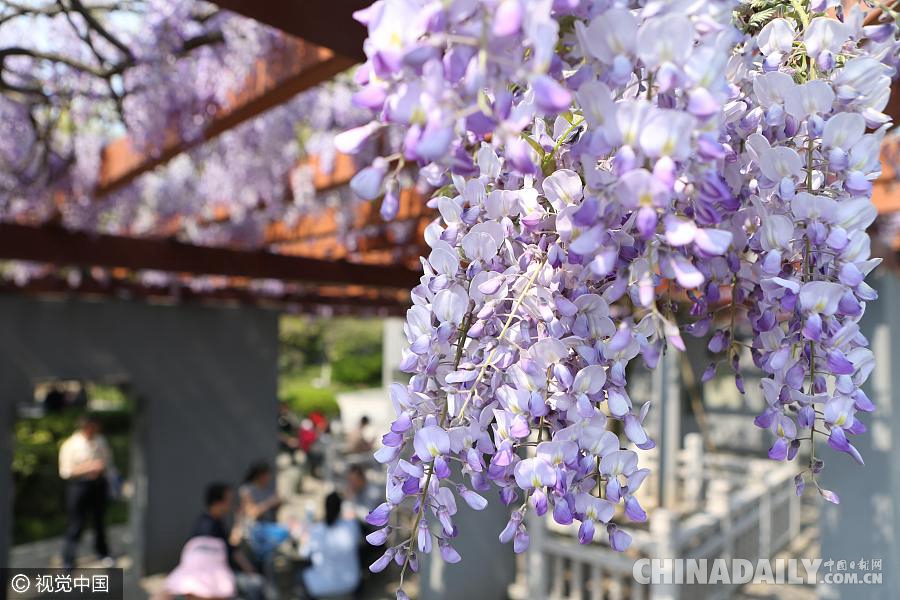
{"x":304,"y":398}
{"x":302,"y":341}
{"x":355,"y":351}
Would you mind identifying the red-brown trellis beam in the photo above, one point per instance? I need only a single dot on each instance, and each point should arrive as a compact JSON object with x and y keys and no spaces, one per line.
{"x":305,"y":301}
{"x":329,"y":24}
{"x":298,"y":66}
{"x":61,"y":247}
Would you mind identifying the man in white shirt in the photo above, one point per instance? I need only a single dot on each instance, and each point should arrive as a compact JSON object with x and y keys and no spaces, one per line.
{"x":84,"y":460}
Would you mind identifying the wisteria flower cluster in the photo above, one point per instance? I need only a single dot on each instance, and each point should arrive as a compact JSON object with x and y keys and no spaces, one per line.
{"x":610,"y":176}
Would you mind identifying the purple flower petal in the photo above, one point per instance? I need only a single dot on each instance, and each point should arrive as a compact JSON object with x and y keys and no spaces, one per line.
{"x":549,"y":95}
{"x":618,"y":539}
{"x":448,"y":553}
{"x":778,"y":451}
{"x":633,"y":510}
{"x":381,"y":564}
{"x":520,"y":540}
{"x":507,"y":18}
{"x":586,"y":532}
{"x":829,"y":496}
{"x":380,"y":515}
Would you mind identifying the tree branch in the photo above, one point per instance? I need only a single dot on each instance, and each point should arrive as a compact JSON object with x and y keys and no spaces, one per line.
{"x":94,"y":24}
{"x":33,"y":81}
{"x":60,"y":59}
{"x":21,"y":10}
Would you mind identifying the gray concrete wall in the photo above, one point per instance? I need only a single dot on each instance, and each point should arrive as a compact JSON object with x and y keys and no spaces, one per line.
{"x":206,"y":383}
{"x":864,"y":524}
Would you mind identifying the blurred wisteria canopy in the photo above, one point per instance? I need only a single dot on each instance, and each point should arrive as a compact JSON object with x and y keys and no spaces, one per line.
{"x":76,"y":75}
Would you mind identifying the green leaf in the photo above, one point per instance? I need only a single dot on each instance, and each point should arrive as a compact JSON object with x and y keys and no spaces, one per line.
{"x":448,"y":190}
{"x":762,"y":17}
{"x":533,"y":143}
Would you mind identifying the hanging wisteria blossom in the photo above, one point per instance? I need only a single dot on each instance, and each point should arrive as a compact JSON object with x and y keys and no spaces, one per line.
{"x":611,"y":175}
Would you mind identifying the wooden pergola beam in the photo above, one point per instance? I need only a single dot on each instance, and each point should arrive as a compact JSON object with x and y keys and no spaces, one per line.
{"x":61,"y":247}
{"x":313,"y":301}
{"x":329,"y":24}
{"x":325,"y":223}
{"x":886,"y":192}
{"x":874,"y":16}
{"x":298,"y":66}
{"x":340,"y":172}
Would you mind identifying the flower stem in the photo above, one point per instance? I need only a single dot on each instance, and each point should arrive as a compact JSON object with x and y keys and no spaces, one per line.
{"x":801,"y":13}
{"x":460,"y":344}
{"x":552,"y":154}
{"x":512,"y":313}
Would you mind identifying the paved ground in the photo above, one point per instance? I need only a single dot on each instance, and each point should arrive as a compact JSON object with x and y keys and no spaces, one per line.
{"x":47,"y":552}
{"x":300,"y":496}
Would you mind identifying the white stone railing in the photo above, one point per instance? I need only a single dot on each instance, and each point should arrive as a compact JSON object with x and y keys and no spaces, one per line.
{"x":728,"y":507}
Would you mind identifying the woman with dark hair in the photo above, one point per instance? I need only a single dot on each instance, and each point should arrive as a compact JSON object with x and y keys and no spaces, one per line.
{"x":259,"y":503}
{"x":332,"y":548}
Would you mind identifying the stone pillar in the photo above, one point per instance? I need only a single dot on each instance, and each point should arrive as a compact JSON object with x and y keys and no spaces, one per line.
{"x":536,"y":569}
{"x":864,"y":525}
{"x":664,"y":529}
{"x":667,"y":400}
{"x":693,"y":484}
{"x":487,"y":567}
{"x":718,"y":504}
{"x":760,"y":473}
{"x":392,"y":349}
